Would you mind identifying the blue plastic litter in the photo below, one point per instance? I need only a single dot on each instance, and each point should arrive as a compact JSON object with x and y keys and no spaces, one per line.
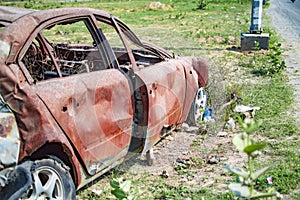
{"x":208,"y":114}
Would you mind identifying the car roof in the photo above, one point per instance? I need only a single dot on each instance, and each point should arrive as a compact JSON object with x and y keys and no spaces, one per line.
{"x":10,"y":14}
{"x":16,"y":19}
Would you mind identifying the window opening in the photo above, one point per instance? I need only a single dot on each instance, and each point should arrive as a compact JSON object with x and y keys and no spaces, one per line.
{"x":71,"y":47}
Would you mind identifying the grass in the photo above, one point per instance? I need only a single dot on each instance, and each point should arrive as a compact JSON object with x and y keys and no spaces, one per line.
{"x":215,"y":34}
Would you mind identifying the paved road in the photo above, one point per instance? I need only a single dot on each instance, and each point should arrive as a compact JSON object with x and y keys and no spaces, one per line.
{"x":285,"y":17}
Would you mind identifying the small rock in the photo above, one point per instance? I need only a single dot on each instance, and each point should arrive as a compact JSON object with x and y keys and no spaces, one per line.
{"x":185,"y":157}
{"x":164,"y":174}
{"x":97,"y":192}
{"x":192,"y":129}
{"x":170,"y":138}
{"x":158,"y":5}
{"x":222,"y":134}
{"x":223,"y":158}
{"x":230,"y":124}
{"x":185,"y":126}
{"x":213,"y":159}
{"x":179,"y":160}
{"x":190,"y":178}
{"x":184,"y":180}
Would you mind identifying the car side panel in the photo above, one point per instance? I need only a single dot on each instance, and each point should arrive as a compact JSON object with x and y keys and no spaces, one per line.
{"x":33,"y":118}
{"x":194,"y":78}
{"x":166,"y":88}
{"x":95,"y":111}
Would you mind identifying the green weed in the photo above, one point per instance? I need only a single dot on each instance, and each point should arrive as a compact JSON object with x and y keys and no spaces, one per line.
{"x":246,"y":178}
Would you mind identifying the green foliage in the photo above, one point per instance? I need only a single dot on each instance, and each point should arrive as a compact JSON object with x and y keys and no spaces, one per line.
{"x":243,"y":141}
{"x":121,"y":189}
{"x":168,"y":191}
{"x":29,"y":4}
{"x":274,"y":63}
{"x":202,"y":4}
{"x":177,"y":16}
{"x":275,"y":98}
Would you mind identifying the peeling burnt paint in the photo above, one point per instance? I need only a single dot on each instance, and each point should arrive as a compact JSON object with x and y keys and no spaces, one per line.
{"x":170,"y":89}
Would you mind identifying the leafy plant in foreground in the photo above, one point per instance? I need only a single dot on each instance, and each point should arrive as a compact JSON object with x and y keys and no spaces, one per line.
{"x":121,"y":189}
{"x":244,"y":187}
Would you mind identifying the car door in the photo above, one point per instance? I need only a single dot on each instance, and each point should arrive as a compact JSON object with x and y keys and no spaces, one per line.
{"x":89,"y":99}
{"x":166,"y":87}
{"x":161,"y":84}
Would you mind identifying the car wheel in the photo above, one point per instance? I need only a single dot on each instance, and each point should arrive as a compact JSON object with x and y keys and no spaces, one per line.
{"x":199,"y":103}
{"x":51,"y":180}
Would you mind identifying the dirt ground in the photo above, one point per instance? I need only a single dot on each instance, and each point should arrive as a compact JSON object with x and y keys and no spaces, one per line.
{"x":177,"y":152}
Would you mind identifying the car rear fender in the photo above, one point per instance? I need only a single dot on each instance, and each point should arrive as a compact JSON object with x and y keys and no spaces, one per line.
{"x":34,"y":123}
{"x":196,"y":75}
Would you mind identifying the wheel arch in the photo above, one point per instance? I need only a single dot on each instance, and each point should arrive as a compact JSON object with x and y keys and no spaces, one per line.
{"x":60,"y":153}
{"x":201,"y":67}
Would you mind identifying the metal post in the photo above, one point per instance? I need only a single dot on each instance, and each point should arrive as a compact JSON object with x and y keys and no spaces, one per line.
{"x":250,"y":40}
{"x":256,"y":16}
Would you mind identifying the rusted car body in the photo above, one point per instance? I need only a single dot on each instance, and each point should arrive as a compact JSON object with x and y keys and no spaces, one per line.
{"x":83,"y":104}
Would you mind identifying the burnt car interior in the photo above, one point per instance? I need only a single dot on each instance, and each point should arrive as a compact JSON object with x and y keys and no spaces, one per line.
{"x":68,"y":48}
{"x":56,"y":52}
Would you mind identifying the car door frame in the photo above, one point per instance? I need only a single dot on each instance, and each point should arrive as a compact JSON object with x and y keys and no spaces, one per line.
{"x":91,"y":166}
{"x":146,"y":133}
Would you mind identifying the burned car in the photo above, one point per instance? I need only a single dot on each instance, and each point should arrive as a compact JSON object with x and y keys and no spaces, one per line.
{"x":79,"y":94}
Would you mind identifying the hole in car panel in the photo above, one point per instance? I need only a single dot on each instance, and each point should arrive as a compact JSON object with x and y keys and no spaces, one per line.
{"x":64,"y":109}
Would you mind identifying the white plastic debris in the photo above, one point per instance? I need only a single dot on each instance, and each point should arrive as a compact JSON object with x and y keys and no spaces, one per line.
{"x":222,"y":134}
{"x":97,"y":192}
{"x":242,"y":108}
{"x":230,"y":124}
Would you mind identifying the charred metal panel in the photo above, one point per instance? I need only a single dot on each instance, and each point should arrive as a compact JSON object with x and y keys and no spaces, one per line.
{"x":196,"y":75}
{"x":165,"y":84}
{"x":13,"y":13}
{"x":201,"y":67}
{"x":35,"y":123}
{"x":17,"y":38}
{"x":95,"y":111}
